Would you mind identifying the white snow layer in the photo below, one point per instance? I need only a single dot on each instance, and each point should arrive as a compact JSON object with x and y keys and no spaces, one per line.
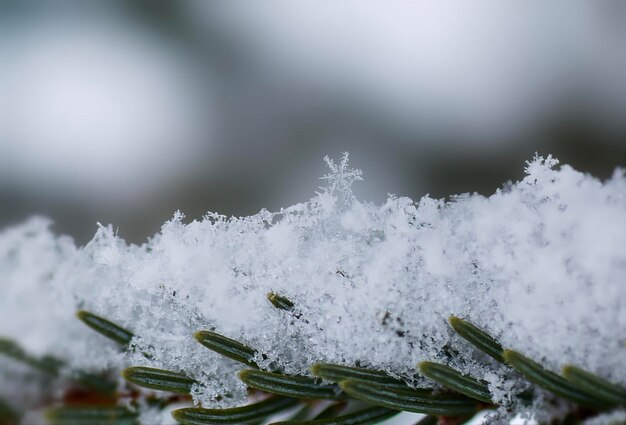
{"x":540,"y":264}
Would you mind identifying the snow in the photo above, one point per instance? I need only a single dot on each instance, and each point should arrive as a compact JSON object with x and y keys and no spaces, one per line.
{"x":614,"y":418}
{"x":540,"y":264}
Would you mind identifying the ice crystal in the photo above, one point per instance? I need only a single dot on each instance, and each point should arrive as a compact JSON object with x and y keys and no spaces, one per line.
{"x":341,"y":177}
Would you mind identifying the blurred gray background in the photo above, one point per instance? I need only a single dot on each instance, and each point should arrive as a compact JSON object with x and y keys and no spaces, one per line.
{"x":124,"y":111}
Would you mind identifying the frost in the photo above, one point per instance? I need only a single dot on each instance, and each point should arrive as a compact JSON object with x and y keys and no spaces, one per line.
{"x":539,"y":264}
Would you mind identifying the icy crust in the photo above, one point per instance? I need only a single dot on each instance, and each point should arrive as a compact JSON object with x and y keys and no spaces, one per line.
{"x":540,"y":264}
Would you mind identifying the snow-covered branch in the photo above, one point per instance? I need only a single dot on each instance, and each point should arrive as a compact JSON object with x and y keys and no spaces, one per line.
{"x":540,"y":264}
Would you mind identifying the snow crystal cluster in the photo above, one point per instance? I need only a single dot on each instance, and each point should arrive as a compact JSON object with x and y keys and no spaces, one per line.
{"x":540,"y":264}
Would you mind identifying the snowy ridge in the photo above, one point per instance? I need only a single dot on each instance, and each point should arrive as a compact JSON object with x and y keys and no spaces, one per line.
{"x":540,"y":264}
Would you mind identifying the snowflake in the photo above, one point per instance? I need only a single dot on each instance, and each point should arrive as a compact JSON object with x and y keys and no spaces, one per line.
{"x":341,"y":176}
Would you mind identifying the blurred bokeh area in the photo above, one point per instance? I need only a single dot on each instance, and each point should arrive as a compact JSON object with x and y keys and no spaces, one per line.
{"x":123,"y":112}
